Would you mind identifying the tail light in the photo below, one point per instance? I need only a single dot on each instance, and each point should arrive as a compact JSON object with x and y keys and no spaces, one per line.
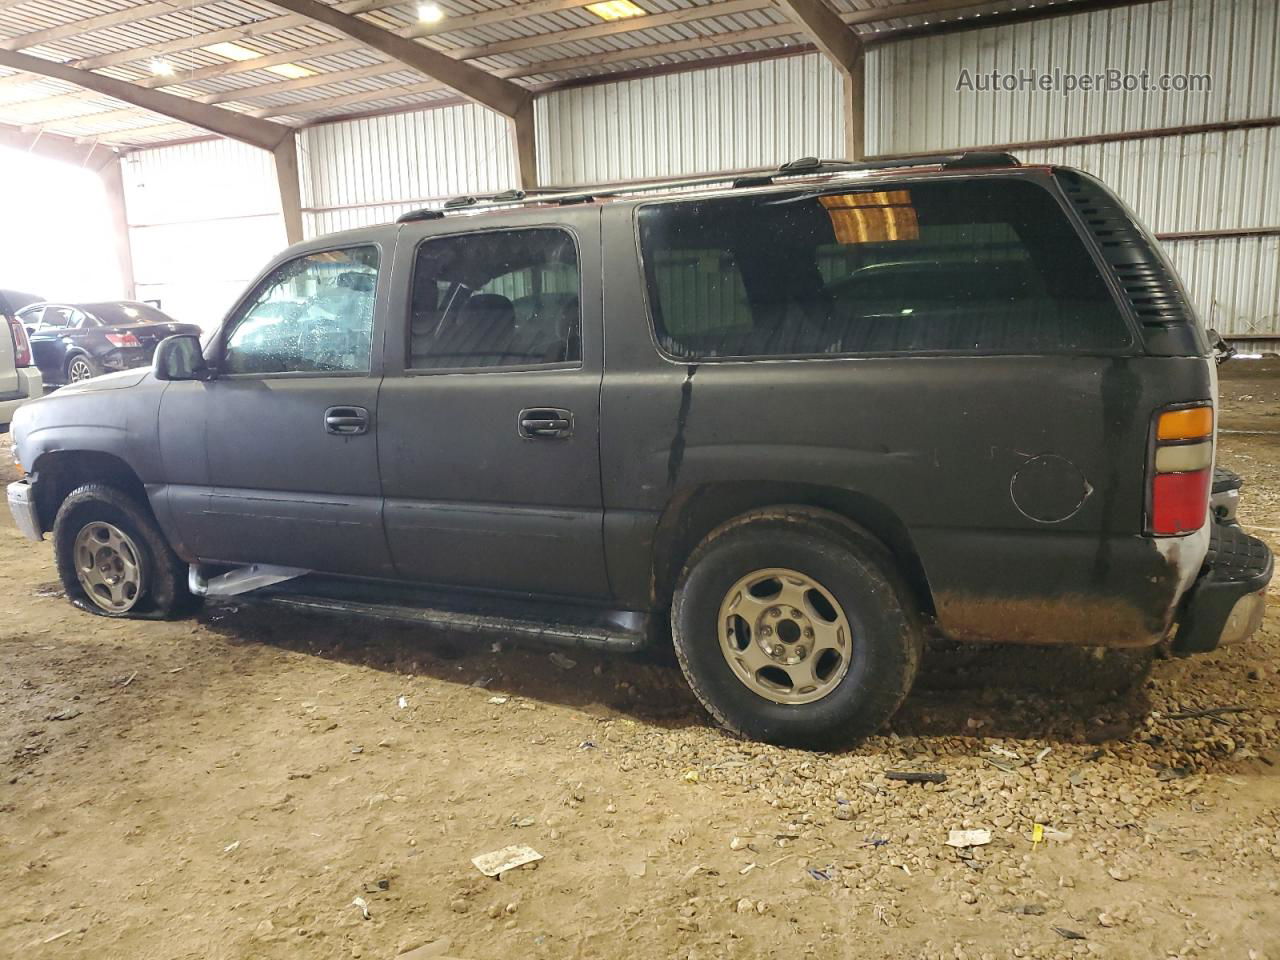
{"x":1181,"y":469}
{"x":123,"y":340}
{"x":21,"y":345}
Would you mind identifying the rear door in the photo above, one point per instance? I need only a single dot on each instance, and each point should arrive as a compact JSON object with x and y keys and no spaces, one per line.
{"x":287,"y":472}
{"x":488,"y":416}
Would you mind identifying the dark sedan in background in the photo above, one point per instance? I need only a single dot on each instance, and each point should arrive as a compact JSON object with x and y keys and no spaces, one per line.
{"x":74,"y":342}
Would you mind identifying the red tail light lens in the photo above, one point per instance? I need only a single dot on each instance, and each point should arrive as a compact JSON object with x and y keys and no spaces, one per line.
{"x":21,"y":345}
{"x":1180,"y":469}
{"x":1179,"y":501}
{"x":123,"y":340}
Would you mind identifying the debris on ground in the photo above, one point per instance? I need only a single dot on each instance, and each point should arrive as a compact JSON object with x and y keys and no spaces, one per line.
{"x":363,"y":905}
{"x":910,"y":776}
{"x":508,"y":858}
{"x":968,"y":838}
{"x":563,"y":662}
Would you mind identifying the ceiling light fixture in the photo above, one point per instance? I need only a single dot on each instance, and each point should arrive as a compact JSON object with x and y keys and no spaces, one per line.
{"x":161,"y":68}
{"x":616,"y":9}
{"x":430,"y":13}
{"x":291,"y":71}
{"x":233,"y":51}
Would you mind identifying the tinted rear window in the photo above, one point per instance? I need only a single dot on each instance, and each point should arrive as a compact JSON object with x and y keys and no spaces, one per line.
{"x":121,"y":314}
{"x":979,"y":266}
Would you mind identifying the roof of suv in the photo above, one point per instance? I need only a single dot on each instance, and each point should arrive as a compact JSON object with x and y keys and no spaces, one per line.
{"x":716,"y":184}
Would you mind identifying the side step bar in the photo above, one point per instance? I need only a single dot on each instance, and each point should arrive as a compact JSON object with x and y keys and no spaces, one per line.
{"x":620,"y":631}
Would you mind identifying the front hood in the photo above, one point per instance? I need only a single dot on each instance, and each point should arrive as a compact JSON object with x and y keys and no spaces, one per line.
{"x":108,"y":381}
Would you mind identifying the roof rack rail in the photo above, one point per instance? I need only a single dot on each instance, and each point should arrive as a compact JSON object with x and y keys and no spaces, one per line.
{"x":427,"y":213}
{"x":802,"y":166}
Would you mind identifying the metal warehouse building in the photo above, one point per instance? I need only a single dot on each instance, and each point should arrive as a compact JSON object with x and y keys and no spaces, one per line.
{"x":328,"y":107}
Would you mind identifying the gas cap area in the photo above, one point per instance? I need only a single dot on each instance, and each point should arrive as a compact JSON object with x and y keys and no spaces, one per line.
{"x":1049,"y":489}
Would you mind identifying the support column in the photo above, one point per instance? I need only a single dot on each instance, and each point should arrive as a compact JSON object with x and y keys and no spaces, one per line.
{"x":113,"y":179}
{"x":523,"y":129}
{"x":855,"y":102}
{"x":286,"y":156}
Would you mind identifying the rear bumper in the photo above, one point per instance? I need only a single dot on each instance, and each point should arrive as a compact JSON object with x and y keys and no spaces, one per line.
{"x":1228,"y":599}
{"x":22,"y":504}
{"x":30,"y":386}
{"x":127,"y":358}
{"x":1226,"y":495}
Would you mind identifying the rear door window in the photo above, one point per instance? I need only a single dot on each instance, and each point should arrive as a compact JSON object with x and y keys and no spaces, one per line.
{"x":978,"y":266}
{"x":498,"y":298}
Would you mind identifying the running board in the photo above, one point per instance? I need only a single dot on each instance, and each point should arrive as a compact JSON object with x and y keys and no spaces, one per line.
{"x":558,"y":624}
{"x":240,"y":580}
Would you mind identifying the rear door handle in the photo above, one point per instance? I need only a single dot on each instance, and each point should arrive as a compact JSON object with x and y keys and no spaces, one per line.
{"x":346,"y":421}
{"x":545,"y":423}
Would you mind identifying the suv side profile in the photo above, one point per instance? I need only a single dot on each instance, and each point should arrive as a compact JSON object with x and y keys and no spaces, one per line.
{"x":799,"y":418}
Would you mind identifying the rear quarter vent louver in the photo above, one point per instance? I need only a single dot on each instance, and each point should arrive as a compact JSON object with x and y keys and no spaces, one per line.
{"x":1149,"y":284}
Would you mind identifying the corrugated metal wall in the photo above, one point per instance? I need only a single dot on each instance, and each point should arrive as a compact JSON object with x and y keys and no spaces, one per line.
{"x":1177,"y":184}
{"x":746,"y":115}
{"x":915,"y":104}
{"x":205,"y":216}
{"x":203,"y":220}
{"x":372,"y":170}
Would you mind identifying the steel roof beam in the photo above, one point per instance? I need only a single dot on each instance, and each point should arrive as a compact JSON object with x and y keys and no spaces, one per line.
{"x":841,"y":45}
{"x":502,"y":96}
{"x":274,"y":137}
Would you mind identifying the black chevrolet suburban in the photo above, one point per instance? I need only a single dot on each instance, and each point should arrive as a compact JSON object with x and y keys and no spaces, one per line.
{"x":798,"y":419}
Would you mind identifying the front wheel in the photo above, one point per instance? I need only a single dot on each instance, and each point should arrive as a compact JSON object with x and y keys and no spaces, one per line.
{"x":113,"y":559}
{"x":791,"y":632}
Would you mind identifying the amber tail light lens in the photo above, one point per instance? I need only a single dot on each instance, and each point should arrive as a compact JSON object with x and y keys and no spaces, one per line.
{"x":1180,"y":470}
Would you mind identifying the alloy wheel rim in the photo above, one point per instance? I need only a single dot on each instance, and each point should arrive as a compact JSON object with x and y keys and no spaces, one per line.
{"x":785,"y":636}
{"x":108,"y":566}
{"x":80,"y":371}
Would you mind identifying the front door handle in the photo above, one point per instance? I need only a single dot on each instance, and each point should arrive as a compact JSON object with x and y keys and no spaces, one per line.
{"x":545,"y":423}
{"x":346,"y":421}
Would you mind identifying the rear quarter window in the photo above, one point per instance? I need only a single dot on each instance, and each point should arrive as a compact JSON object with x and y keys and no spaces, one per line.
{"x":977,"y":266}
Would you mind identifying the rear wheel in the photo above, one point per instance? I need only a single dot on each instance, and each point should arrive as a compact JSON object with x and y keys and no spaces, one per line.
{"x":793,"y":632}
{"x":82,"y":367}
{"x":113,"y":559}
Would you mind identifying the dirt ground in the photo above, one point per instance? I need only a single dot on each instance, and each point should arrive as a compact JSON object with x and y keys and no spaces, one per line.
{"x":228,"y":787}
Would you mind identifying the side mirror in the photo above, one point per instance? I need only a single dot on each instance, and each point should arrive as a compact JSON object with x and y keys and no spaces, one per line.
{"x":180,"y":358}
{"x":1222,"y":351}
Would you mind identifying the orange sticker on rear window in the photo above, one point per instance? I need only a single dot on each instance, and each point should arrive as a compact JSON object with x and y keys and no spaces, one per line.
{"x":872,"y":217}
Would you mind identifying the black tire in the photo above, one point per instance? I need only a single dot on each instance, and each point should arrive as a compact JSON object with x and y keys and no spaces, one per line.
{"x":94,"y":368}
{"x":163,"y":592}
{"x":887,"y":638}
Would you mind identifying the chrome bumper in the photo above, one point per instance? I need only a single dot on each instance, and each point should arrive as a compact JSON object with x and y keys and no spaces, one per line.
{"x":22,"y":504}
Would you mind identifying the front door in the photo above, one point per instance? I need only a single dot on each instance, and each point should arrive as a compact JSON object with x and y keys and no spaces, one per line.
{"x":290,"y":424}
{"x":488,"y":423}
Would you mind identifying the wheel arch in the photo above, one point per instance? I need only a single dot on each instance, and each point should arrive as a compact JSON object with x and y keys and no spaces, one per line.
{"x":61,"y":471}
{"x":690,"y":517}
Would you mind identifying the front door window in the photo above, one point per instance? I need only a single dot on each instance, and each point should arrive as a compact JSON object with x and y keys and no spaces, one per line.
{"x":311,"y":315}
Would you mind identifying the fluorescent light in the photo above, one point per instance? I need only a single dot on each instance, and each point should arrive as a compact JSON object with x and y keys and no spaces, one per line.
{"x":291,"y":71}
{"x":233,"y":51}
{"x":616,"y":9}
{"x":161,"y":68}
{"x":430,"y":13}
